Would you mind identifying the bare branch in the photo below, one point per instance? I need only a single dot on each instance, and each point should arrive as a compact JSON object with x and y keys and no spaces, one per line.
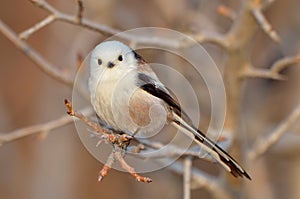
{"x":27,"y":33}
{"x":106,"y":30}
{"x":283,"y":63}
{"x":34,"y":129}
{"x":273,"y":72}
{"x":187,"y":177}
{"x":38,"y":59}
{"x":106,"y":167}
{"x":265,"y":25}
{"x":263,"y":143}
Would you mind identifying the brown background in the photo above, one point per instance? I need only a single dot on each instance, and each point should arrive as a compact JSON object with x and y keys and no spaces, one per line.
{"x":60,"y":167}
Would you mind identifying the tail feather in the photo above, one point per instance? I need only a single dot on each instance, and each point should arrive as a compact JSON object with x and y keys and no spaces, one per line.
{"x":212,"y":148}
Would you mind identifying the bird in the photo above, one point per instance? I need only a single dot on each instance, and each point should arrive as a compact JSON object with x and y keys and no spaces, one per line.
{"x":127,"y":95}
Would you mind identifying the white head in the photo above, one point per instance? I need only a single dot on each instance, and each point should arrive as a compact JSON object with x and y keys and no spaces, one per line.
{"x":109,"y":61}
{"x":113,"y":56}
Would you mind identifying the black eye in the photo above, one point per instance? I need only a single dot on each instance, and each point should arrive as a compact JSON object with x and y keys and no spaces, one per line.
{"x":120,"y":58}
{"x":99,"y":62}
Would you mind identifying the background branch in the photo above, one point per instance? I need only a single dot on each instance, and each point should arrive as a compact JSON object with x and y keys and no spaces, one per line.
{"x":265,"y":25}
{"x":45,"y":22}
{"x":39,"y":60}
{"x":38,"y":128}
{"x":187,"y":178}
{"x":138,"y":39}
{"x":263,"y":143}
{"x":201,"y":179}
{"x":273,"y":72}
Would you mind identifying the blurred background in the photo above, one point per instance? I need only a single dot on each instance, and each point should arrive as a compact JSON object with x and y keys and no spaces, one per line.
{"x":56,"y":164}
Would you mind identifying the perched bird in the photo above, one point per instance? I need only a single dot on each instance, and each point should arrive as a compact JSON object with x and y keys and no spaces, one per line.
{"x":128,"y":96}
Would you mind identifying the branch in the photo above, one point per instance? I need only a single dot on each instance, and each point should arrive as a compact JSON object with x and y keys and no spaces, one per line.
{"x":214,"y":38}
{"x":27,"y":33}
{"x":100,"y":28}
{"x":37,"y":58}
{"x":252,"y":72}
{"x":44,"y":127}
{"x":263,"y":143}
{"x":273,"y":72}
{"x":283,"y":63}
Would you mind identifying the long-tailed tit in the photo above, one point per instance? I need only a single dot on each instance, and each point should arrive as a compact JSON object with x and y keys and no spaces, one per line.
{"x":128,"y":96}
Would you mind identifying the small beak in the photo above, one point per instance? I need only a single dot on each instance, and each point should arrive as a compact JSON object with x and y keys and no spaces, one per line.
{"x":110,"y":65}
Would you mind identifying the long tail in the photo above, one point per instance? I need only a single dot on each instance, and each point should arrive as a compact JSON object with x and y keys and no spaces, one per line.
{"x":212,"y":148}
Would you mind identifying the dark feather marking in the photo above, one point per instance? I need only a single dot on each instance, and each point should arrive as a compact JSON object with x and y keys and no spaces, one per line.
{"x":139,"y":58}
{"x":151,"y":86}
{"x":234,"y":170}
{"x":157,"y":92}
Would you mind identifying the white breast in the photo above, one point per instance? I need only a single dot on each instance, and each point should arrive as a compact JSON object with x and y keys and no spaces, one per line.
{"x":124,"y":106}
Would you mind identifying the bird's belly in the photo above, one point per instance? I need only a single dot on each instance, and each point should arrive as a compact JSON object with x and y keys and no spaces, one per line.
{"x":128,"y":111}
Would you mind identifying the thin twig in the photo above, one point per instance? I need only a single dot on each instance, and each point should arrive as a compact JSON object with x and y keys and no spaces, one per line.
{"x":82,"y":117}
{"x":265,"y":25}
{"x":114,"y":137}
{"x":187,"y":177}
{"x":170,"y":151}
{"x":106,"y":166}
{"x":118,"y":156}
{"x":80,"y":11}
{"x":37,"y":58}
{"x":263,"y":143}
